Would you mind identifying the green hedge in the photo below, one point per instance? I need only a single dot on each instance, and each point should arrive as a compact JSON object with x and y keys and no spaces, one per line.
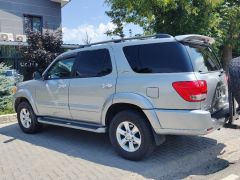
{"x":6,"y":85}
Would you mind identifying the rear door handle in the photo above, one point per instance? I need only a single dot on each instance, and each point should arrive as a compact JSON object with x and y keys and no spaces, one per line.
{"x":107,"y":86}
{"x":62,"y":86}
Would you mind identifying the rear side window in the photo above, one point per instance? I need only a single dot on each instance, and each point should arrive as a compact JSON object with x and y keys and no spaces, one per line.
{"x":203,"y":59}
{"x":95,"y":63}
{"x":170,"y":57}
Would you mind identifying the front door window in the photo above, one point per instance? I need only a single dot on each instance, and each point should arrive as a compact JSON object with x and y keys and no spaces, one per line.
{"x":61,"y":69}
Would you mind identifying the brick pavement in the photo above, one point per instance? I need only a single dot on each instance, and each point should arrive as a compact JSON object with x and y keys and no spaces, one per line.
{"x":61,"y":153}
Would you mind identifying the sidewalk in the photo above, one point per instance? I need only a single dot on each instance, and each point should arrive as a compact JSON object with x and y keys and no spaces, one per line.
{"x":8,"y":118}
{"x":232,"y":172}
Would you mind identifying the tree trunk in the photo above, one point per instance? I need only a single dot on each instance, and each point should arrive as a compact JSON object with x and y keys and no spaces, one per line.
{"x":227,"y":56}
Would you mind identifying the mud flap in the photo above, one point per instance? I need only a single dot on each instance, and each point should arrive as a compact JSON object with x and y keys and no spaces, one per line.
{"x":159,"y":139}
{"x":233,"y":111}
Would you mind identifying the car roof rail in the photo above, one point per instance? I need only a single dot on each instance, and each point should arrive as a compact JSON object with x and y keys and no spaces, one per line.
{"x":127,"y":39}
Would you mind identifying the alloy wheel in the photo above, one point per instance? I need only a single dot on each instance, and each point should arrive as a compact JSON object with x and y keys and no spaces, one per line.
{"x":25,"y":118}
{"x":128,"y":136}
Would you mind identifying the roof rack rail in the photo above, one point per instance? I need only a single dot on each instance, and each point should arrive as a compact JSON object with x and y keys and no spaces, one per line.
{"x":127,"y":39}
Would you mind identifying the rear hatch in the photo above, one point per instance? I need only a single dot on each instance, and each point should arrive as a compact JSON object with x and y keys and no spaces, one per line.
{"x":182,"y":75}
{"x":208,"y":68}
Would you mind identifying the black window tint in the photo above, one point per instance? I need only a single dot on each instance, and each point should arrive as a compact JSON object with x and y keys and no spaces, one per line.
{"x":203,"y":59}
{"x":94,"y":63}
{"x":61,"y":69}
{"x":168,"y":57}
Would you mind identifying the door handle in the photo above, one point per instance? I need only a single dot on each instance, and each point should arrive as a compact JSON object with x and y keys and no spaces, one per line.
{"x":62,"y":86}
{"x":107,"y":86}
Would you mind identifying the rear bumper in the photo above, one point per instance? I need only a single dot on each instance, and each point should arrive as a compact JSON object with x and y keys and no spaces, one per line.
{"x":189,"y":122}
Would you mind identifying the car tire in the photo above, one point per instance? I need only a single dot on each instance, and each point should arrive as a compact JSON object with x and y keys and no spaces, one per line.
{"x":131,"y":127}
{"x":234,"y":75}
{"x":27,"y":119}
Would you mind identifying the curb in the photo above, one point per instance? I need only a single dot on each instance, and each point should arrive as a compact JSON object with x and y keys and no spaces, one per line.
{"x":8,"y":118}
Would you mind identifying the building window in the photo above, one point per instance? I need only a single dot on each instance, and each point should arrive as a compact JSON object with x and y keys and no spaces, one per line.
{"x":33,"y":23}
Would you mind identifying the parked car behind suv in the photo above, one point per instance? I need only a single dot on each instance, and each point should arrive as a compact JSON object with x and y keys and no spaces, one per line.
{"x":13,"y":75}
{"x":138,"y":90}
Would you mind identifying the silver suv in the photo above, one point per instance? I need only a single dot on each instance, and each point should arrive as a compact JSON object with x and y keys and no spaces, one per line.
{"x":137,"y":89}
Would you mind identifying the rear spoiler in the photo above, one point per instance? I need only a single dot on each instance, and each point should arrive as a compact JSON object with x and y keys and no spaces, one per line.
{"x":195,"y":39}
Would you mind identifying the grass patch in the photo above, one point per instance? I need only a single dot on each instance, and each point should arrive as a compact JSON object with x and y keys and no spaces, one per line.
{"x":7,"y":110}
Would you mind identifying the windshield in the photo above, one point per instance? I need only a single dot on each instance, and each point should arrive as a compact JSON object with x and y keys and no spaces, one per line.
{"x":203,"y":58}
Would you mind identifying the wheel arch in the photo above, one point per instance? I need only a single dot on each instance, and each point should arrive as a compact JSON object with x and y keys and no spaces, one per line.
{"x":21,"y":96}
{"x":118,"y":107}
{"x":125,"y":101}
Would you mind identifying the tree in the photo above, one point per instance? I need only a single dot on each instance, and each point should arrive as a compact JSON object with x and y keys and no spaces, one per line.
{"x":230,"y":26}
{"x":117,"y":14}
{"x":87,"y":39}
{"x":41,"y":50}
{"x":165,"y":16}
{"x":216,"y":18}
{"x":6,"y":85}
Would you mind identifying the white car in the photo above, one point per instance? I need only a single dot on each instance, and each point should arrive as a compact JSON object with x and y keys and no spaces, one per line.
{"x":14,"y":75}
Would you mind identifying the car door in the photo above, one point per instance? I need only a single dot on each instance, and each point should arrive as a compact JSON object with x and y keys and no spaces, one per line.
{"x":52,"y":93}
{"x":94,"y":83}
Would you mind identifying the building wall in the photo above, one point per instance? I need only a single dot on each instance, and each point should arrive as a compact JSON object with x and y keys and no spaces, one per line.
{"x":13,"y":11}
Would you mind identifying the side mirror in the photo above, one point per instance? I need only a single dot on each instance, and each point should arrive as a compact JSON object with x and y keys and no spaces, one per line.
{"x":37,"y":75}
{"x":45,"y":76}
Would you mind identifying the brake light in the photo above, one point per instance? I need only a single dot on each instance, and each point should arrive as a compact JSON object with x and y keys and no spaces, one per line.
{"x":192,"y":91}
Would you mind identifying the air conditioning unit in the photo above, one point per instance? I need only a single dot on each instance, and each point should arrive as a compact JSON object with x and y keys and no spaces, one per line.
{"x":21,"y":38}
{"x":6,"y":37}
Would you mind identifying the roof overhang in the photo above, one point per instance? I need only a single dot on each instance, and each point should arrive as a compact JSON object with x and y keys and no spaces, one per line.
{"x":63,"y":2}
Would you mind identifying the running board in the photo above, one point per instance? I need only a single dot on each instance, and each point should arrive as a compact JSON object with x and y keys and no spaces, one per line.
{"x":72,"y":124}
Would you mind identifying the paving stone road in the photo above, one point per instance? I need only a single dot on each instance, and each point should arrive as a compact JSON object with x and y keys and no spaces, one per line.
{"x":61,"y":153}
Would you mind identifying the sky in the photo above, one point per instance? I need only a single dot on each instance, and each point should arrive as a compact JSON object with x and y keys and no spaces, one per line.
{"x":88,"y":16}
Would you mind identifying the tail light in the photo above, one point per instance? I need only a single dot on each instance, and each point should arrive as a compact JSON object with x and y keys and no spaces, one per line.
{"x":192,"y":91}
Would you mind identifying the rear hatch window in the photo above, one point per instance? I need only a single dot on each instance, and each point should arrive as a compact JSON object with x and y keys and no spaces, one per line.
{"x":203,"y":59}
{"x":169,"y":57}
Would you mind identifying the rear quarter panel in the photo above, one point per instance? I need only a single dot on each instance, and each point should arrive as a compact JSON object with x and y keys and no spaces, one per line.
{"x":157,"y":88}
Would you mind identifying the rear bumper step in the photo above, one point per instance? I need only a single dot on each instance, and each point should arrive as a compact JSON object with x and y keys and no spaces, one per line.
{"x":224,"y":113}
{"x":72,"y":124}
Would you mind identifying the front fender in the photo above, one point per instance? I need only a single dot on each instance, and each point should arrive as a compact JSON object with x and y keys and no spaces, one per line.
{"x":137,"y":100}
{"x":24,"y":93}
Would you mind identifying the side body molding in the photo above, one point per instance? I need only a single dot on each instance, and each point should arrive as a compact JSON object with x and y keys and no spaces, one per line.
{"x":134,"y":99}
{"x":24,"y":93}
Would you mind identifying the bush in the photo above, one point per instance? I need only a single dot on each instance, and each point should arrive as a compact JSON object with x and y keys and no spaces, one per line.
{"x":42,"y":49}
{"x":6,"y":85}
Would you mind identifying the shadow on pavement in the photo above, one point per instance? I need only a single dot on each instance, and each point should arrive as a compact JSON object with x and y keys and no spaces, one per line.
{"x":232,"y":126}
{"x":178,"y":157}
